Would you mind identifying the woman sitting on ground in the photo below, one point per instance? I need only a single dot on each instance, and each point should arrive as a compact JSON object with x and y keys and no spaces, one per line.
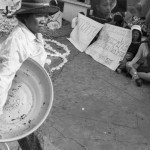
{"x":140,"y":70}
{"x":133,"y":48}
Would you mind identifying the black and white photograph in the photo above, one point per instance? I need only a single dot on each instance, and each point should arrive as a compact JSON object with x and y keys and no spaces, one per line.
{"x":74,"y":74}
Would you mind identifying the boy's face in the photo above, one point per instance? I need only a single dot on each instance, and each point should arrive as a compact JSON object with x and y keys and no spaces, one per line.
{"x":104,"y":8}
{"x":135,"y":35}
{"x":35,"y":22}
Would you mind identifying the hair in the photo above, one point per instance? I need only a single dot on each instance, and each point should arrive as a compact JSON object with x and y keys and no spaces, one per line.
{"x":142,"y":18}
{"x":119,"y":20}
{"x":140,"y":35}
{"x":53,"y":2}
{"x":22,"y":17}
{"x":94,"y":3}
{"x":82,"y":13}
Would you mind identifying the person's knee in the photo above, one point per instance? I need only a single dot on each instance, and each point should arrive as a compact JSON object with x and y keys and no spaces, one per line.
{"x":130,"y":68}
{"x":128,"y":65}
{"x":145,"y":76}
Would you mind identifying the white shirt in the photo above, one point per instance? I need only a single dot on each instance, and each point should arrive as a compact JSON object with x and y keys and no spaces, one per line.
{"x":20,"y":45}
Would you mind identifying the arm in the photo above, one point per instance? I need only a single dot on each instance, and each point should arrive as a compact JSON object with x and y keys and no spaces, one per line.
{"x":12,"y":56}
{"x":130,"y":65}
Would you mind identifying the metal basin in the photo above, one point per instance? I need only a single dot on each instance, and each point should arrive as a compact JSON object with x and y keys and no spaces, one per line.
{"x":29,"y":102}
{"x":4,"y":146}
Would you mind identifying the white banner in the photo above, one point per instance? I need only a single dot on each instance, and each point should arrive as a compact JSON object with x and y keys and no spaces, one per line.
{"x":111,"y":46}
{"x":84,"y":32}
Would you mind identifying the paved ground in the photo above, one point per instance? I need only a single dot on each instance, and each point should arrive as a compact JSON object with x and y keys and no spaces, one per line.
{"x":94,"y":108}
{"x":97,"y":109}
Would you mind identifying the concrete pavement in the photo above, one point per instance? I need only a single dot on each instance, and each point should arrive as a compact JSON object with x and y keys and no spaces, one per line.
{"x":96,"y":109}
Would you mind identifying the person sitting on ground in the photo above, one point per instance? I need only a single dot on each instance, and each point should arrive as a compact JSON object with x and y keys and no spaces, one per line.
{"x":133,"y":48}
{"x":24,"y":41}
{"x":139,"y":67}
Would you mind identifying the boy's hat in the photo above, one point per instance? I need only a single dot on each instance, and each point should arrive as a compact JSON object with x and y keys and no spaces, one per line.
{"x":37,"y":6}
{"x":136,"y":27}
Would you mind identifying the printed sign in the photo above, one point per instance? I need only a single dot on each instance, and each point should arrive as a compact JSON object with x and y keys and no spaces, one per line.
{"x":111,"y":46}
{"x":84,"y":32}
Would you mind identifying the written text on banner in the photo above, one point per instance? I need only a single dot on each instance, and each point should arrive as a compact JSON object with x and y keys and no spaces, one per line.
{"x":111,"y":46}
{"x":84,"y":32}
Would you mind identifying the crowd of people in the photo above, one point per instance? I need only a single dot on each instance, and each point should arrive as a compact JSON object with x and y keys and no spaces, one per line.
{"x":136,"y":62}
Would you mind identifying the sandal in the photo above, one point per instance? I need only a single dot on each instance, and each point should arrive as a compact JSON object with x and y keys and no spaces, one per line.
{"x":139,"y":82}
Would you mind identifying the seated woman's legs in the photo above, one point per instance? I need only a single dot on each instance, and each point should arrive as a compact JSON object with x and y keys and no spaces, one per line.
{"x":144,"y":72}
{"x":133,"y":72}
{"x":144,"y":76}
{"x":122,"y":66}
